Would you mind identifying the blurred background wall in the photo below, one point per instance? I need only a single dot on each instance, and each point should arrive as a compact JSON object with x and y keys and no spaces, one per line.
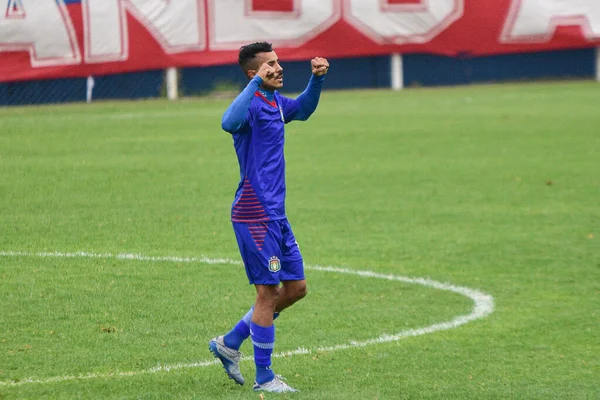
{"x":350,"y":73}
{"x":96,"y":50}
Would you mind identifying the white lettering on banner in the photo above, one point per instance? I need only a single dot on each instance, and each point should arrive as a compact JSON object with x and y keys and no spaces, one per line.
{"x":105,"y":31}
{"x":41,"y":27}
{"x":234,"y":23}
{"x":420,"y":22}
{"x":178,"y":26}
{"x":537,"y":20}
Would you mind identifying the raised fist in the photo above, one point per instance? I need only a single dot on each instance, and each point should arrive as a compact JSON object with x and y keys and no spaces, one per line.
{"x":319,"y":66}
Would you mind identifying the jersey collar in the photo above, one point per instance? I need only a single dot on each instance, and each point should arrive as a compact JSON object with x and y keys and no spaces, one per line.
{"x":267,"y":96}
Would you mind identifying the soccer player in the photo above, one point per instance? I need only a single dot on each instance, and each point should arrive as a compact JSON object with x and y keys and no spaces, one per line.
{"x":267,"y":244}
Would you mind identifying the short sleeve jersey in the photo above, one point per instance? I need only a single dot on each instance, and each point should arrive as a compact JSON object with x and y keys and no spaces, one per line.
{"x":259,"y":143}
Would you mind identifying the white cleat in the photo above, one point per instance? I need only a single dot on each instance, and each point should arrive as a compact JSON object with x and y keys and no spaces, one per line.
{"x":229,"y":357}
{"x":277,"y":385}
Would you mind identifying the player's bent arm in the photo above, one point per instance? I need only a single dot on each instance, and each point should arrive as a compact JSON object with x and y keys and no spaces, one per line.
{"x":235,"y":115}
{"x":309,"y":99}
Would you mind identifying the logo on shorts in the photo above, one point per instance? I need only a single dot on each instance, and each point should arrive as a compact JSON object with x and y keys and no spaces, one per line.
{"x":274,"y":264}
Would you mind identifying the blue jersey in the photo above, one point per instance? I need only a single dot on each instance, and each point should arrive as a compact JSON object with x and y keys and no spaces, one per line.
{"x":256,"y":121}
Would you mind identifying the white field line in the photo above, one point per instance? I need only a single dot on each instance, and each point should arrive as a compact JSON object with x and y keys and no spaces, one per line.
{"x":483,"y":306}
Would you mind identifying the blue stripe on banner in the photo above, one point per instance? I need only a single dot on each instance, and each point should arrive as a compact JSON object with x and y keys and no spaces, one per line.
{"x":70,"y":1}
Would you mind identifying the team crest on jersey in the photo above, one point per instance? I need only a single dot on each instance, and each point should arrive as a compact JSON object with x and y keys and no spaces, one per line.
{"x":274,"y":264}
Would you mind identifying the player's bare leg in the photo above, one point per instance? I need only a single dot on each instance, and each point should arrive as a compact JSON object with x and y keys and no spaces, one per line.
{"x":267,"y":298}
{"x":289,"y":293}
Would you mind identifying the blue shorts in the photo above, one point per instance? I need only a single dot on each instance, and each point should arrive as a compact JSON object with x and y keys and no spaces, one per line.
{"x":269,"y":251}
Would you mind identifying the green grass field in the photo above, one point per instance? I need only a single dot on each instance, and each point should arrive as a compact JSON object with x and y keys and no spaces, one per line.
{"x":490,"y":188}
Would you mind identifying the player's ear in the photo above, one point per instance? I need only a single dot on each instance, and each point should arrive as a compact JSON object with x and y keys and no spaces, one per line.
{"x":251,"y":73}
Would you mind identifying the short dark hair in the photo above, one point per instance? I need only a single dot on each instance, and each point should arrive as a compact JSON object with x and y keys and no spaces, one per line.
{"x":249,"y":51}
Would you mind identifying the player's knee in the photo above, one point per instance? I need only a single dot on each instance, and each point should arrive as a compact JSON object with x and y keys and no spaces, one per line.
{"x":301,"y":291}
{"x":268,"y":294}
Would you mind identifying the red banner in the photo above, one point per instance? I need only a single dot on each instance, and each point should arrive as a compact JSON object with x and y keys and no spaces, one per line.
{"x":69,"y":38}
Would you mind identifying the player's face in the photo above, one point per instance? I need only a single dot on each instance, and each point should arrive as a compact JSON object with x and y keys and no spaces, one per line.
{"x":271,"y":58}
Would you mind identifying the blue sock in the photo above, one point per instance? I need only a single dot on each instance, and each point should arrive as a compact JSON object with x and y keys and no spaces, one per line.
{"x":234,"y":338}
{"x":240,"y":332}
{"x":263,"y":339}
